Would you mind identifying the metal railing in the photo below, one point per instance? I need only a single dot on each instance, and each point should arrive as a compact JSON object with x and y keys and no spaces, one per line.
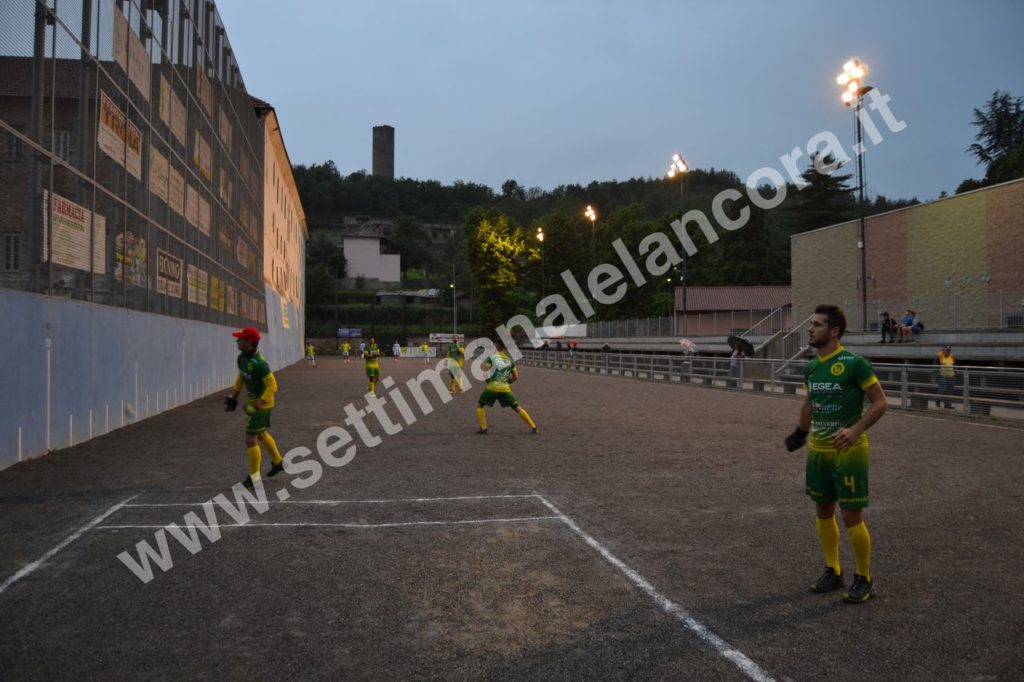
{"x":971,"y":391}
{"x":957,"y":311}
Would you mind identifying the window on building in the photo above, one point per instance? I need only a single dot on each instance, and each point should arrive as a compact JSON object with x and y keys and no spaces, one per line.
{"x":10,"y":258}
{"x":13,"y":150}
{"x":62,"y":144}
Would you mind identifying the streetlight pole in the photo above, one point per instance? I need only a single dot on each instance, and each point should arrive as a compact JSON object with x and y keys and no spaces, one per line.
{"x":592,"y":215}
{"x":455,"y":308}
{"x":540,"y":238}
{"x":852,"y":77}
{"x":681,"y":168}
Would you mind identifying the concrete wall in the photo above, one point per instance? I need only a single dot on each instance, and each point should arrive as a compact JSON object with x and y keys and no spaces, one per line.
{"x":959,"y":261}
{"x":73,"y":370}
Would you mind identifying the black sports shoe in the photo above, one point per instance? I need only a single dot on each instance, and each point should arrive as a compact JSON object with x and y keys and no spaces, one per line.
{"x":277,"y":468}
{"x":482,"y":432}
{"x":860,"y":590}
{"x":828,"y":582}
{"x":247,"y":482}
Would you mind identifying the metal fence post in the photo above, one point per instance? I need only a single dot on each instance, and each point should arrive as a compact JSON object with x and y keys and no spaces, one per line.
{"x":904,"y":397}
{"x":967,"y":391}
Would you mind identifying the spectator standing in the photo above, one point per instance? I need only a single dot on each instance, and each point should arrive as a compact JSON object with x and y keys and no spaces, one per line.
{"x":947,"y":376}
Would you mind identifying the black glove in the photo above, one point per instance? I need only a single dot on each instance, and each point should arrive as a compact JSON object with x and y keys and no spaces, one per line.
{"x":796,"y":440}
{"x":230,"y":404}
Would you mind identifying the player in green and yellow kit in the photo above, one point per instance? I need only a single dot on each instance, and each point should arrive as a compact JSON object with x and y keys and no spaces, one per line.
{"x":371,"y":355}
{"x":837,"y":456}
{"x":456,"y":355}
{"x":502,"y":373}
{"x":255,"y":377}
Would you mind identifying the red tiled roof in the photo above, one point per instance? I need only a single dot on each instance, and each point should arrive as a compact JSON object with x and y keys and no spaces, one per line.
{"x":736,"y":298}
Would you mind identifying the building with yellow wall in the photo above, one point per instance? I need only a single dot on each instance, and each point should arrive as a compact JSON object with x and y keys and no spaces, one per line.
{"x":958,"y":262}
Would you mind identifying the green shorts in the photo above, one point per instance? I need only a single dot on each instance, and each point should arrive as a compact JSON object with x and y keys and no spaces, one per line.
{"x":259,"y":422}
{"x":839,"y":476}
{"x":372,"y":372}
{"x":504,"y":398}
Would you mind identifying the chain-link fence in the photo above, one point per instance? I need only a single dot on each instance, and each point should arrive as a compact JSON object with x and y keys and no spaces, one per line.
{"x":131,"y":159}
{"x":972,"y":391}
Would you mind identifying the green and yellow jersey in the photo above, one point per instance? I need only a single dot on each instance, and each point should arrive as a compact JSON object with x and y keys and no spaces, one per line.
{"x":835,"y":387}
{"x":370,"y":355}
{"x":500,"y":378}
{"x":456,"y":352}
{"x":255,"y":376}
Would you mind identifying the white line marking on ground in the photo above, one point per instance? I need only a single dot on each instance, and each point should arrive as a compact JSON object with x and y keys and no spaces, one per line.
{"x":29,"y":568}
{"x":329,"y":502}
{"x":351,"y":525}
{"x":747,"y":666}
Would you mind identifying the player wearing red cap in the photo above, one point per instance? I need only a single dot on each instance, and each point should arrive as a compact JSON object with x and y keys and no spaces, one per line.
{"x":260,"y":386}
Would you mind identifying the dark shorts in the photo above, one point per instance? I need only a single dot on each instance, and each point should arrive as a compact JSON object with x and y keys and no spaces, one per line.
{"x":505,"y":399}
{"x":839,"y":476}
{"x":258,"y":422}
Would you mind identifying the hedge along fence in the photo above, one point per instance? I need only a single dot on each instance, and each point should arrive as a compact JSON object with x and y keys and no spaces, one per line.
{"x":390,"y":319}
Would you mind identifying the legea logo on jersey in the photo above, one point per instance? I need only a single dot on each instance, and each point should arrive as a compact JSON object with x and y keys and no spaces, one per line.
{"x":837,"y":369}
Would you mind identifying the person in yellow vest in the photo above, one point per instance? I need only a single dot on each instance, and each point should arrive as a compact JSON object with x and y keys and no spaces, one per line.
{"x":456,"y":354}
{"x":947,"y":376}
{"x":310,"y":355}
{"x":346,"y":350}
{"x":425,"y":349}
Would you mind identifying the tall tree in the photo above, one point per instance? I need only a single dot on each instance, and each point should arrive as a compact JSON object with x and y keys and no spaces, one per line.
{"x":1000,"y":128}
{"x":494,"y":246}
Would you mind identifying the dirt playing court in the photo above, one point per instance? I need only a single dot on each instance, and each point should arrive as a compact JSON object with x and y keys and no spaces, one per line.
{"x":649,"y":531}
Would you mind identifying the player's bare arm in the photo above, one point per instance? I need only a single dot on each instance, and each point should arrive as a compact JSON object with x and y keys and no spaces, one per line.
{"x":844,"y":438}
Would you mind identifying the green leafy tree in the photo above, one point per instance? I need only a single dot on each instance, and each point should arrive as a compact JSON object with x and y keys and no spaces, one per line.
{"x":494,"y":247}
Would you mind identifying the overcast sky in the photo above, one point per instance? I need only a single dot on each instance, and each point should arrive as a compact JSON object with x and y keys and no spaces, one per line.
{"x":550,"y":92}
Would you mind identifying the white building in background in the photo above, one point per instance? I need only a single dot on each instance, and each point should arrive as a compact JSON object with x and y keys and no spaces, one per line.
{"x":365,"y":257}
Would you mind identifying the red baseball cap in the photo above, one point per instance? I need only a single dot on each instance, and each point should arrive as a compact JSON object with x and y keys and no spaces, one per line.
{"x":249,"y":334}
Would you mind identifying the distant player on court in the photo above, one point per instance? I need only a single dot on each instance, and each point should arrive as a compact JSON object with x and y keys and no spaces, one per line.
{"x":310,"y":355}
{"x":371,"y":359}
{"x":837,"y":456}
{"x":425,"y":349}
{"x":456,"y":355}
{"x":502,"y":373}
{"x":346,"y":351}
{"x":396,"y":351}
{"x":260,"y":386}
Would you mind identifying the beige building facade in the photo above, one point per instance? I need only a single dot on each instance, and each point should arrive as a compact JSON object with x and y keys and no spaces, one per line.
{"x":958,"y":262}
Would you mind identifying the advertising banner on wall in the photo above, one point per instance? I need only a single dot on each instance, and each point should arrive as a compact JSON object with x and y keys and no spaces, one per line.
{"x":232,"y":302}
{"x":217,"y":293}
{"x":169,"y":272}
{"x":176,"y":191}
{"x":131,"y":55}
{"x":202,"y":156}
{"x":73,"y":236}
{"x":157,"y":173}
{"x":198,"y":285}
{"x":130,"y":259}
{"x":118,"y":137}
{"x":179,"y":118}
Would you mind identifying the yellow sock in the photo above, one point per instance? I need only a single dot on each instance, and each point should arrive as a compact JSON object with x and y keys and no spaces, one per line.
{"x":275,"y":454}
{"x":526,"y":418}
{"x":481,"y":416}
{"x":860,"y":540}
{"x":451,"y":386}
{"x":254,"y":461}
{"x":828,"y":536}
